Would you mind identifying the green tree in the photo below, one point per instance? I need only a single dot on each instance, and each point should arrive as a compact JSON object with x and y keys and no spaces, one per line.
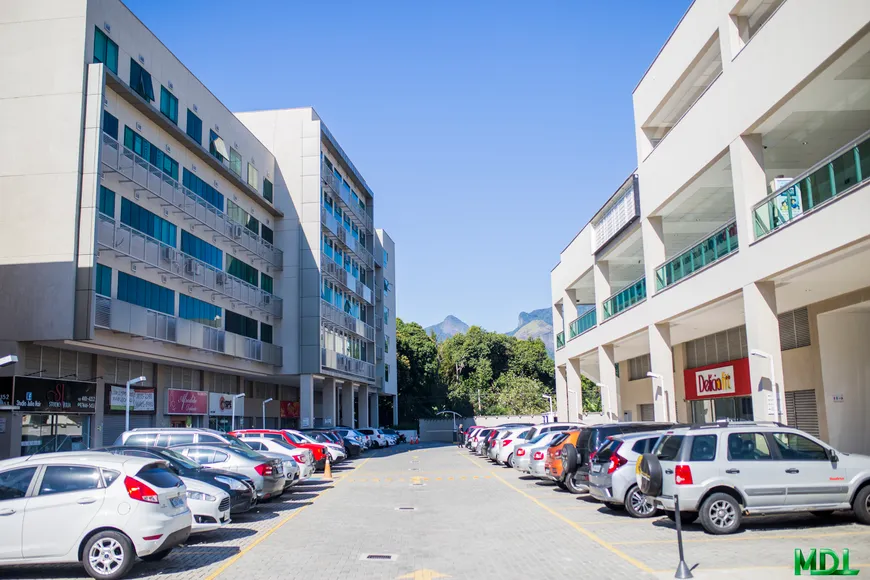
{"x":591,"y":396}
{"x":419,"y":387}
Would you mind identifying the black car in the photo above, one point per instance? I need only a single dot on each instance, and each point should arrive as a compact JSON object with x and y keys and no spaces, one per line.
{"x":352,"y":447}
{"x":576,"y":461}
{"x":400,"y":437}
{"x":239,"y":487}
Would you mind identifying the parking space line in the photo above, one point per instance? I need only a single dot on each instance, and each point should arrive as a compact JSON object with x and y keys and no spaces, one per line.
{"x":746,"y":538}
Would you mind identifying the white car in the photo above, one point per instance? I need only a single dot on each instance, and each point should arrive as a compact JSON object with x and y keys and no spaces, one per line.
{"x":303,"y":458}
{"x":107,"y":508}
{"x":507,"y":444}
{"x":377,"y":438}
{"x":209,"y":505}
{"x":523,"y":453}
{"x":336,"y":452}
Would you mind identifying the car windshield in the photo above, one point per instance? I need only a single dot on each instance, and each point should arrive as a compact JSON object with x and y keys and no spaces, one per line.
{"x":295,"y":438}
{"x":180,"y":459}
{"x":609,"y":448}
{"x":306,"y":439}
{"x":539,"y":437}
{"x":558,"y":439}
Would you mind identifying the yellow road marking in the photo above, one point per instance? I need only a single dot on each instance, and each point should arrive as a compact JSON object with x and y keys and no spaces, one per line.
{"x":747,"y":538}
{"x":449,"y":479}
{"x":423,"y":575}
{"x":437,"y":479}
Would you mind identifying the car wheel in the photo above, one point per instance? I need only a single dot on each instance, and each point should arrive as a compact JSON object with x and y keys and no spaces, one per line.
{"x":510,"y":461}
{"x":861,"y":505}
{"x":721,"y":514}
{"x":617,"y":507}
{"x":638,"y":505}
{"x":157,"y":556}
{"x":573,"y":487}
{"x":108,"y":555}
{"x":685,"y":517}
{"x":562,"y":485}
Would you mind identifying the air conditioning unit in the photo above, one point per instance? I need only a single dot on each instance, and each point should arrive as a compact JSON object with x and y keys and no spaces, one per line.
{"x":220,"y":279}
{"x":189,"y":266}
{"x":267,"y":299}
{"x":168,"y":253}
{"x":237,"y":231}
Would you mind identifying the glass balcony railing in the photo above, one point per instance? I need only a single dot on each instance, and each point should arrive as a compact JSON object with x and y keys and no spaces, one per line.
{"x":833,"y":177}
{"x":346,"y":364}
{"x":338,"y":231}
{"x":330,"y":267}
{"x":338,"y":317}
{"x":716,"y":246}
{"x":560,"y":340}
{"x":338,"y":192}
{"x":632,"y":294}
{"x":583,"y":323}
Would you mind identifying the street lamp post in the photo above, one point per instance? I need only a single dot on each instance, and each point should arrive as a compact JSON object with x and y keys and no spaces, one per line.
{"x":454,"y":413}
{"x":9,"y":359}
{"x":269,"y":400}
{"x":233,"y":423}
{"x":130,"y":383}
{"x":661,"y":379}
{"x":773,"y":386}
{"x":550,"y":399}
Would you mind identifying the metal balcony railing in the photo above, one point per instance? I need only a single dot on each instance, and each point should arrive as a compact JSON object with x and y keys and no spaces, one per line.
{"x":721,"y":243}
{"x":582,"y":323}
{"x":827,"y":180}
{"x":330,"y":180}
{"x":379,"y":323}
{"x":121,"y":316}
{"x":345,"y":364}
{"x":332,"y":224}
{"x":137,"y":246}
{"x":560,"y":340}
{"x":632,"y":294}
{"x":337,"y":317}
{"x":152,"y":179}
{"x":331,"y":268}
{"x":379,"y":352}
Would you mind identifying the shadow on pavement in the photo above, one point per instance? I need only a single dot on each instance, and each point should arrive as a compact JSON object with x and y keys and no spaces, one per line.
{"x":772,"y":523}
{"x":223,"y":535}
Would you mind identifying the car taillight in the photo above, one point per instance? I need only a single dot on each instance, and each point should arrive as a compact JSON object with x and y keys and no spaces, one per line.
{"x":592,"y":456}
{"x":139,"y":491}
{"x":521,"y":452}
{"x":506,"y":442}
{"x":616,"y":461}
{"x":538,"y":455}
{"x":683,"y":475}
{"x":264,"y":469}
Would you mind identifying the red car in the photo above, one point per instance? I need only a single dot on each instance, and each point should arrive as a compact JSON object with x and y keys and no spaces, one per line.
{"x":291,"y":437}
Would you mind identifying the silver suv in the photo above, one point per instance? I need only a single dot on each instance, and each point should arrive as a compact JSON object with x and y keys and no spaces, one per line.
{"x":725,"y":471}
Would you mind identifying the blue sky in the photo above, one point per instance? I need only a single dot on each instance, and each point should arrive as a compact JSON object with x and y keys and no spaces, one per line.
{"x":489,"y":131}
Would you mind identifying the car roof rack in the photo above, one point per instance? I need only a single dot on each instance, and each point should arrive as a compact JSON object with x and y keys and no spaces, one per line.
{"x":735,"y":423}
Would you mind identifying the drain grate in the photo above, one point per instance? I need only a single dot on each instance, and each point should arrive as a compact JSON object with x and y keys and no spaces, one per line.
{"x":406,"y":509}
{"x":379,"y":557}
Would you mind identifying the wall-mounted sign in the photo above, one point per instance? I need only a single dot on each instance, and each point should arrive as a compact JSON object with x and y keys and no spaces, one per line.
{"x":289,"y":409}
{"x":729,"y":379}
{"x":142,"y":400}
{"x":38,"y":395}
{"x":838,"y":398}
{"x":181,"y":402}
{"x":221,"y":405}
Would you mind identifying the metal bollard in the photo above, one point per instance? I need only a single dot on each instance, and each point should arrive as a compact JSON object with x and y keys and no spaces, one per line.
{"x":683,"y":570}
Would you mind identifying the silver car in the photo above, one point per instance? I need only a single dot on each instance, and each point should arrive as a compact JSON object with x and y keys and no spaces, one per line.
{"x":612,"y":477}
{"x":267,"y":473}
{"x":523,"y":453}
{"x":539,"y":457}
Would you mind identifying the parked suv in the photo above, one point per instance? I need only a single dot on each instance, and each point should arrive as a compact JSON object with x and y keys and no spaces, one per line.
{"x":725,"y":471}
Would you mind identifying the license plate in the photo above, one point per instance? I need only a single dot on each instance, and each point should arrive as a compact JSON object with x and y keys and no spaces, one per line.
{"x":176,"y":501}
{"x":596,"y":468}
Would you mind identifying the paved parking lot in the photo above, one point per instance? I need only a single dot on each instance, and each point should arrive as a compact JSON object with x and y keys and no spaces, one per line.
{"x":438,"y":512}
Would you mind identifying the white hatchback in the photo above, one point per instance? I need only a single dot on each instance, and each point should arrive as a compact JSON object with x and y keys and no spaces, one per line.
{"x":100,"y":509}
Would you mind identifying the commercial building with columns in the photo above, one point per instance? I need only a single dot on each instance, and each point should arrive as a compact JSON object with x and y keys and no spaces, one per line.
{"x":152,"y":232}
{"x":728,"y":276}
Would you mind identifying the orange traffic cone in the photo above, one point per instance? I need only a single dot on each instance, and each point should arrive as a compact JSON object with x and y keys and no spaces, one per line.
{"x":327,"y":471}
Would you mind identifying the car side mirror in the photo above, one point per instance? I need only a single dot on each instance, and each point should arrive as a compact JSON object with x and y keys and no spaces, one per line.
{"x":832,"y":455}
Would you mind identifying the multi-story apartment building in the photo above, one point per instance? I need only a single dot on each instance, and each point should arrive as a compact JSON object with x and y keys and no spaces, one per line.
{"x":385,"y":327}
{"x":729,"y":275}
{"x":149,"y":231}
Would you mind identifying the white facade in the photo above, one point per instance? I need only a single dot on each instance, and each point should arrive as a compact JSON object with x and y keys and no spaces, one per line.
{"x":149,"y":230}
{"x":746,"y":232}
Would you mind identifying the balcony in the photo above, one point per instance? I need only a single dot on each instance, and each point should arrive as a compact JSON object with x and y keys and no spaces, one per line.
{"x":125,"y":241}
{"x":632,"y":294}
{"x":331,"y":268}
{"x":344,"y":320}
{"x":330,"y":180}
{"x":345,"y":238}
{"x":835,"y":176}
{"x":714,"y":247}
{"x":379,"y":324}
{"x":345,"y":364}
{"x":560,"y":340}
{"x":121,"y":316}
{"x":379,"y":352}
{"x":149,"y":178}
{"x":582,"y":324}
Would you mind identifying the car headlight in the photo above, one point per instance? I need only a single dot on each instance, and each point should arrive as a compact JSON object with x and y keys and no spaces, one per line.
{"x":233,"y":483}
{"x":200,"y":496}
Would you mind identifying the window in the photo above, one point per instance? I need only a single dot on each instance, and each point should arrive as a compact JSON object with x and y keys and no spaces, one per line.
{"x":199,"y":311}
{"x":158,"y":475}
{"x":346,"y":222}
{"x":387,"y":373}
{"x":387,"y":287}
{"x":109,"y":476}
{"x":386,"y":258}
{"x":253,"y":177}
{"x":642,"y":446}
{"x":242,"y":271}
{"x":354,"y":231}
{"x":716,"y":348}
{"x":105,"y":50}
{"x":140,"y":81}
{"x":194,"y":127}
{"x":146,"y":294}
{"x":106,"y":202}
{"x":217,"y":147}
{"x":67,"y":478}
{"x":110,"y":125}
{"x":703,"y":448}
{"x":266,"y":283}
{"x":240,"y":216}
{"x":142,"y":147}
{"x":668,"y":447}
{"x":267,"y":234}
{"x":193,"y":246}
{"x":104,"y":280}
{"x":235,"y":162}
{"x":238,"y":324}
{"x":794,"y":447}
{"x":202,"y":189}
{"x":168,"y":105}
{"x":386,"y":343}
{"x":747,"y":447}
{"x":267,"y":189}
{"x":201,"y":456}
{"x":14,"y":483}
{"x":146,"y":222}
{"x":266,"y":332}
{"x":386,"y":315}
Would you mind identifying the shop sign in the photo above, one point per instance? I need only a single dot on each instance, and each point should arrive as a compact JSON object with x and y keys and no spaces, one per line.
{"x":142,"y":399}
{"x":181,"y":402}
{"x":38,"y":395}
{"x":729,"y":379}
{"x":221,"y":405}
{"x":289,"y":409}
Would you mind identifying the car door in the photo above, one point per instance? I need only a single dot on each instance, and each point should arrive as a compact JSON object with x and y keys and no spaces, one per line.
{"x":69,"y":495}
{"x":750,"y":468}
{"x":812,"y":479}
{"x":14,"y":485}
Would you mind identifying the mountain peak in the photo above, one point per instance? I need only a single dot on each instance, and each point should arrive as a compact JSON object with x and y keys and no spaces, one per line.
{"x":448,"y":327}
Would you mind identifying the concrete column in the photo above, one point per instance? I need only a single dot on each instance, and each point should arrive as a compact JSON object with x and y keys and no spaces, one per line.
{"x":662,"y":363}
{"x":363,"y":402}
{"x":654,"y":254}
{"x":347,"y":410}
{"x":750,"y":183}
{"x":329,"y":396}
{"x":575,"y":391}
{"x":306,"y":401}
{"x":610,"y":397}
{"x":374,"y":410}
{"x":395,"y":410}
{"x":733,"y":33}
{"x":603,"y":290}
{"x":561,"y":394}
{"x":762,"y":334}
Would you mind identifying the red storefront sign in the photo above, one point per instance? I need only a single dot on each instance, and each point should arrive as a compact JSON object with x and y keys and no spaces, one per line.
{"x":727,"y":379}
{"x":180,"y":402}
{"x":289,"y":409}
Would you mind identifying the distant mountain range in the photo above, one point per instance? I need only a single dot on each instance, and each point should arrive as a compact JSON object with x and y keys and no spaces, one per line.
{"x":530,"y":325}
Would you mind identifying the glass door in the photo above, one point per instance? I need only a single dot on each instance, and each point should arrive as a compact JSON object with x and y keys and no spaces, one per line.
{"x":50,"y":433}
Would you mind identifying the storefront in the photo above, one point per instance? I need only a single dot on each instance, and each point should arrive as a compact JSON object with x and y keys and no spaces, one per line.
{"x":143,"y":410}
{"x":220,"y":411}
{"x":289,"y":414}
{"x":186,"y":408}
{"x":56,"y":414}
{"x":720,"y":391}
